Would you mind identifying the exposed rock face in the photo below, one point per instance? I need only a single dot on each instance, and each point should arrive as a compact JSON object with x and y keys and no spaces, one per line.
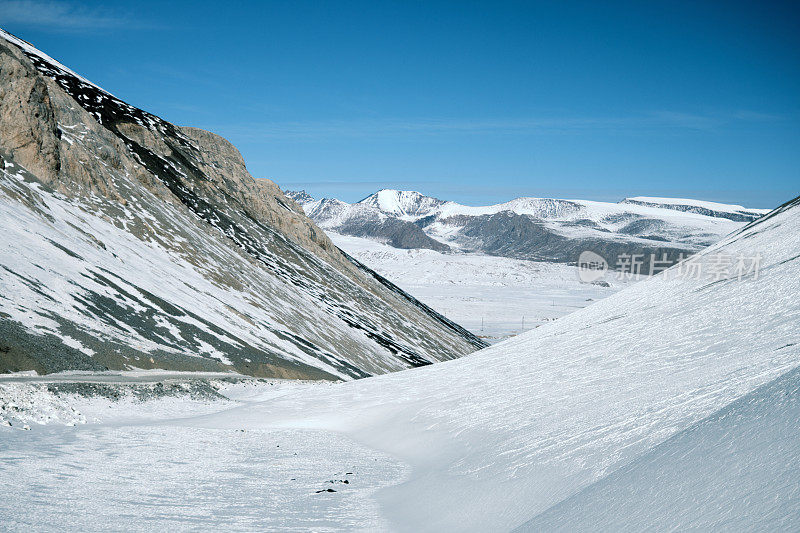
{"x":394,"y":232}
{"x":135,"y":242}
{"x":508,"y":234}
{"x":28,"y":130}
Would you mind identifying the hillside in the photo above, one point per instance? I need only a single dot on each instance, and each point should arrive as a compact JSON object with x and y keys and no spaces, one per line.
{"x":131,"y":242}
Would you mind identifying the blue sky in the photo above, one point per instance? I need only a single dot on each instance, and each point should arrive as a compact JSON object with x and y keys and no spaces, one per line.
{"x":472,"y":101}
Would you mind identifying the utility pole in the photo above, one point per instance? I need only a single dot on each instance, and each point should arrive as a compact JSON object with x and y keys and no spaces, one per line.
{"x":523,"y":322}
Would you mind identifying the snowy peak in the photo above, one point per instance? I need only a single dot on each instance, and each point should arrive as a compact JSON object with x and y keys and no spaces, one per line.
{"x":402,"y":203}
{"x":301,"y":197}
{"x":544,"y":208}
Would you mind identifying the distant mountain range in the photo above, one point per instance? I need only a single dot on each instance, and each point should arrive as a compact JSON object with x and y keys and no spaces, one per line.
{"x":543,"y":229}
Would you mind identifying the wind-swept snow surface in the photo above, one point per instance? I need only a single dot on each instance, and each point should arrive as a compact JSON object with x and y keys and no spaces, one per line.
{"x":735,"y":470}
{"x":499,"y":437}
{"x":135,"y":471}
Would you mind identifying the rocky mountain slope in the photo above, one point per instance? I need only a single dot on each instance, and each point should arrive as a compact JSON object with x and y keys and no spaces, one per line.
{"x":533,"y":228}
{"x":132,"y":242}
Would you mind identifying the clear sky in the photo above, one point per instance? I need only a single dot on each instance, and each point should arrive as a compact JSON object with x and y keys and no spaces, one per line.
{"x":471,"y":101}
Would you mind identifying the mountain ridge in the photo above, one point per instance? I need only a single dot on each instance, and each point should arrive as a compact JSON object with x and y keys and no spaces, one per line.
{"x":548,"y":229}
{"x":270,"y":295}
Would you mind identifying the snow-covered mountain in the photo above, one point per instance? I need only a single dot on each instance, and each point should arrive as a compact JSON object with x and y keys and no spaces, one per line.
{"x":533,"y":228}
{"x":132,"y":242}
{"x":403,"y":204}
{"x":365,"y":220}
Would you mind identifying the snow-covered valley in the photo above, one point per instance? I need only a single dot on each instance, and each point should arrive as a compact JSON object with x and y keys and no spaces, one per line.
{"x":183,"y":348}
{"x":669,"y":405}
{"x":493,"y":297}
{"x":127,"y":463}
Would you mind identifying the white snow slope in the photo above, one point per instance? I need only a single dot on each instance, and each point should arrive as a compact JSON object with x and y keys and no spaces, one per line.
{"x":501,"y":436}
{"x":747,"y":455}
{"x":697,"y":206}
